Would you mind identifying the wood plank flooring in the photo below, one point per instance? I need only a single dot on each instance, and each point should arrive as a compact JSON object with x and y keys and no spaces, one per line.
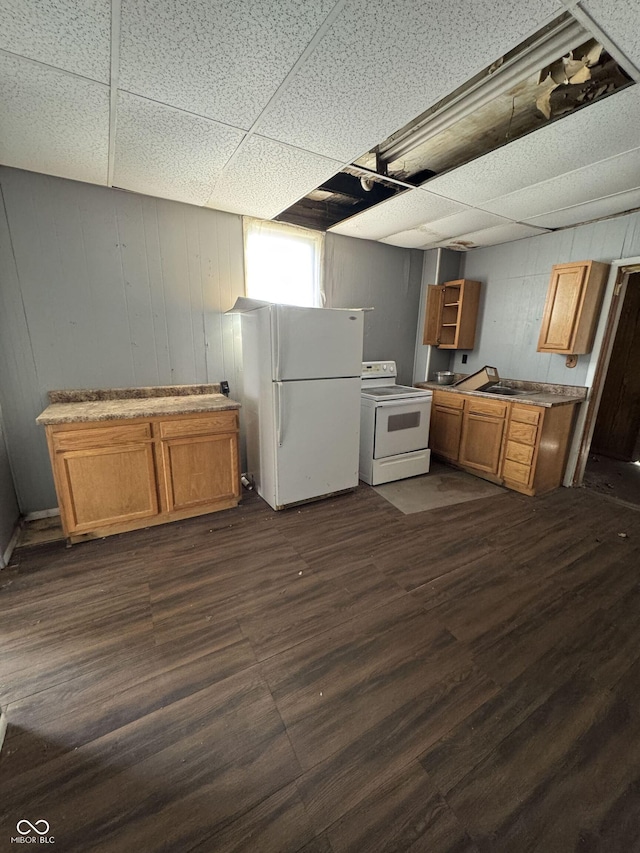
{"x":337,"y":678}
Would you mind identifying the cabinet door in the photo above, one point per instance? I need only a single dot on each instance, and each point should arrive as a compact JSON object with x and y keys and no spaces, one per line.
{"x":106,"y":485}
{"x":433,"y":315}
{"x":446,"y":427}
{"x":562,"y":307}
{"x":200,"y":470}
{"x":481,"y":442}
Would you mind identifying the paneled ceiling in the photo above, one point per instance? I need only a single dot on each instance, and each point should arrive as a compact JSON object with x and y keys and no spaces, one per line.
{"x":247,"y":107}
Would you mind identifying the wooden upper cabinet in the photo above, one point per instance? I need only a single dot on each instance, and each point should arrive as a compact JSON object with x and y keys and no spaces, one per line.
{"x":573,"y":304}
{"x":452,"y":314}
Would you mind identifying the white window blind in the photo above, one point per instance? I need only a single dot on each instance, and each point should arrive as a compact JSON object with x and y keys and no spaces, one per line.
{"x":283,"y":263}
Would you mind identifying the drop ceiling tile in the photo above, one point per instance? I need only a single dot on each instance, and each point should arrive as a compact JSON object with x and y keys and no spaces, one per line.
{"x":445,"y":229}
{"x":416,"y":238}
{"x":223,"y":60}
{"x":68,"y":34}
{"x":620,"y":22}
{"x":608,"y":206}
{"x":169,"y":153}
{"x":465,"y":222}
{"x":607,"y":177}
{"x":265,"y":178}
{"x":383,"y":62}
{"x":603,"y":129}
{"x":53,"y":122}
{"x":491,"y":236}
{"x":401,"y":212}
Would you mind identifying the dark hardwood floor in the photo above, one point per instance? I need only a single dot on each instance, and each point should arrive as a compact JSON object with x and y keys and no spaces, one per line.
{"x":338,"y":677}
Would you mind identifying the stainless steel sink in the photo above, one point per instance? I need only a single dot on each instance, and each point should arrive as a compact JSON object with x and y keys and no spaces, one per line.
{"x":505,"y":392}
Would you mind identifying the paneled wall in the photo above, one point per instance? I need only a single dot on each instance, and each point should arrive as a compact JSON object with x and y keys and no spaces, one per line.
{"x":361,"y":274}
{"x":99,"y":287}
{"x":515,"y":278}
{"x":103,"y":288}
{"x":8,"y":502}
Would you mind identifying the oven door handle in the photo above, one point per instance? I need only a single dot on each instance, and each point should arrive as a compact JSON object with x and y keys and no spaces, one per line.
{"x":410,"y":401}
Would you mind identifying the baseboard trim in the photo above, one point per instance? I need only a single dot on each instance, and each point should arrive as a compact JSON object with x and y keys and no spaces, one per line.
{"x":42,"y":513}
{"x":5,"y":558}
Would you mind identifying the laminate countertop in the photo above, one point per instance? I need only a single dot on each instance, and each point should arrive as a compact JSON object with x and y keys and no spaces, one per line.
{"x":533,"y":393}
{"x":68,"y":407}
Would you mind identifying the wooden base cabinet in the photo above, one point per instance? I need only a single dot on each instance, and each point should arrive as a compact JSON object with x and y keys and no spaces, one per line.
{"x":536,"y":448}
{"x":446,"y":425}
{"x":522,"y":447}
{"x":113,"y":476}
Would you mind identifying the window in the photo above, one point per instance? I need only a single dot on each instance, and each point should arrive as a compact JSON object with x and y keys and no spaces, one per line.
{"x":282,"y":263}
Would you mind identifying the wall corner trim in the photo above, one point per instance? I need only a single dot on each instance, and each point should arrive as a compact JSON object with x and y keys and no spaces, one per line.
{"x":5,"y":558}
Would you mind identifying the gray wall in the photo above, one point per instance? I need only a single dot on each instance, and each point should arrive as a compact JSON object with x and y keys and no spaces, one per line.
{"x":9,"y":511}
{"x":516,"y":277}
{"x":100,"y":287}
{"x":365,"y":274}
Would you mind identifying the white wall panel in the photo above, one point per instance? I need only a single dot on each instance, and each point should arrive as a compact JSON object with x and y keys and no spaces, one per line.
{"x":382,"y":63}
{"x":53,"y":122}
{"x":223,"y":60}
{"x":71,"y":34}
{"x":169,"y":153}
{"x":266,"y":177}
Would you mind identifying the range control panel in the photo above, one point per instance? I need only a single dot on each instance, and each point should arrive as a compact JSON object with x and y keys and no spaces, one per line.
{"x":379,"y":369}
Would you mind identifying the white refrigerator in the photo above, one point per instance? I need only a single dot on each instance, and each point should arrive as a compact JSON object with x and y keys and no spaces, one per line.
{"x":301,"y":400}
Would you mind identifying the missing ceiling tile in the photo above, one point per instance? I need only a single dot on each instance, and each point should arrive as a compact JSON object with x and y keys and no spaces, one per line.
{"x":560,"y":69}
{"x":349,"y":192}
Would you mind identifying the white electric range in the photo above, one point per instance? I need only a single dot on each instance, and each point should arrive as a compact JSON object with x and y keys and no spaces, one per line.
{"x":394,"y":426}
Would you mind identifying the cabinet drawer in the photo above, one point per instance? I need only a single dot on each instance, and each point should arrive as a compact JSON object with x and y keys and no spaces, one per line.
{"x":103,"y":436}
{"x":524,"y":433}
{"x":522,"y":453}
{"x":516,"y":472}
{"x":525,"y":414}
{"x":486,"y":407}
{"x":451,"y":401}
{"x":199,"y":425}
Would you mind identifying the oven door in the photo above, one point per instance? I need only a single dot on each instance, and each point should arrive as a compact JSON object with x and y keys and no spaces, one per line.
{"x":401,"y":426}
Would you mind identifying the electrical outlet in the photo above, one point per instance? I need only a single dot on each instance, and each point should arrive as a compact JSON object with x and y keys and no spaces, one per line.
{"x":464,"y":358}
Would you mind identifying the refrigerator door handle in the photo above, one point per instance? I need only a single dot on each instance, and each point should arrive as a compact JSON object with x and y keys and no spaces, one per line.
{"x":278,"y":391}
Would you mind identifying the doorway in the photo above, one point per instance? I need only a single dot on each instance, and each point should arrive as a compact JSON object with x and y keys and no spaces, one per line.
{"x":613,"y":464}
